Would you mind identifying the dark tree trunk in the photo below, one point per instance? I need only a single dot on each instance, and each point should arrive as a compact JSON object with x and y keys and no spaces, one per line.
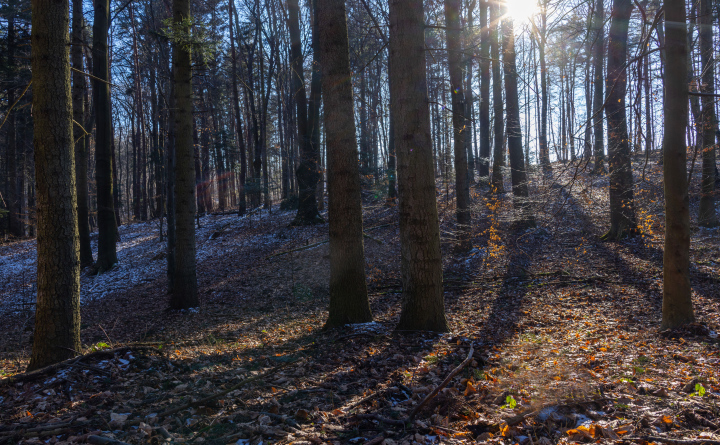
{"x":518,"y":175}
{"x":484,"y":160}
{"x":708,"y":214}
{"x":14,"y":191}
{"x":184,"y":289}
{"x":461,"y":127}
{"x":107,"y":225}
{"x":498,"y":153}
{"x":57,"y":315}
{"x":598,"y":94}
{"x":348,"y":289}
{"x":542,"y":38}
{"x":307,"y":171}
{"x":622,"y":205}
{"x":421,"y":264}
{"x":677,"y":304}
{"x":81,"y":139}
{"x":242,"y":206}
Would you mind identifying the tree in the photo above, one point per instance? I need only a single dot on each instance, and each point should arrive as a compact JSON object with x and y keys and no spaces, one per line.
{"x":622,"y":204}
{"x":484,"y":161}
{"x":461,"y":125}
{"x":307,"y":170}
{"x":348,"y":289}
{"x":14,"y":191}
{"x":542,"y":41}
{"x":183,"y":287}
{"x":498,"y":153}
{"x":598,"y":94}
{"x":708,"y":216}
{"x":518,"y":174}
{"x":81,"y":144}
{"x":677,"y":304}
{"x":422,"y":306}
{"x":57,"y":314}
{"x":107,"y":225}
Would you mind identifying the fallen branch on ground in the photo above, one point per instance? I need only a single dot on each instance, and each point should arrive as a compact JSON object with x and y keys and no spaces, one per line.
{"x":433,"y":393}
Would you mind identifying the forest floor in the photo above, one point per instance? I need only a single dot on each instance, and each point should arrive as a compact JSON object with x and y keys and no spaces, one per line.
{"x":564,"y":331}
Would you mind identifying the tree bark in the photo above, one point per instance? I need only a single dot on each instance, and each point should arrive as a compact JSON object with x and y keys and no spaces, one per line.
{"x":348,"y":289}
{"x":57,"y":316}
{"x":81,"y":142}
{"x":518,"y":175}
{"x":677,"y":304}
{"x":107,"y":225}
{"x":307,"y":170}
{"x":622,"y":204}
{"x":542,"y":40}
{"x":461,"y":127}
{"x":14,"y":191}
{"x":598,"y":94}
{"x":421,"y":264}
{"x":498,"y":153}
{"x":708,"y":215}
{"x":484,"y":161}
{"x":184,"y":289}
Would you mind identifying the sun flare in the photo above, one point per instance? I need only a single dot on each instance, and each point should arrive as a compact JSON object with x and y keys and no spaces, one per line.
{"x":521,"y":10}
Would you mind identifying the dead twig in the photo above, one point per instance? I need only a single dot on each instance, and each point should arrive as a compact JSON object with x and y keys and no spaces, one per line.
{"x":443,"y":384}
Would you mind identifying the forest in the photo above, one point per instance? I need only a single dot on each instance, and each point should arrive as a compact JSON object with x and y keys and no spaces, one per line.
{"x":359,"y":221}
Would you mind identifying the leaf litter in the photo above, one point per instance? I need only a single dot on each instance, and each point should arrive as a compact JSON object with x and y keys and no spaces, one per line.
{"x":557,"y":334}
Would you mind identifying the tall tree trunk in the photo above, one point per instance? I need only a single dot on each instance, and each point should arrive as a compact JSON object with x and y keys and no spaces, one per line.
{"x":498,"y":139}
{"x":242,"y":206}
{"x":107,"y":225}
{"x":421,"y":264}
{"x":14,"y":191}
{"x":518,"y":175}
{"x":81,"y":142}
{"x":184,"y":289}
{"x":307,"y":174}
{"x":622,"y":204}
{"x":57,"y":314}
{"x":542,"y":41}
{"x":587,"y":146}
{"x":598,"y":94}
{"x":314,"y":103}
{"x":677,"y":304}
{"x":461,"y":127}
{"x":467,"y":54}
{"x":708,"y":215}
{"x":348,"y":289}
{"x":484,"y":161}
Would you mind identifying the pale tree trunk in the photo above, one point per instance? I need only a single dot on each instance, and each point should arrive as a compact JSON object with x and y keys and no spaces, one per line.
{"x":518,"y":175}
{"x":57,"y":314}
{"x":622,"y":204}
{"x":107,"y":225}
{"x":184,"y":287}
{"x":677,"y":304}
{"x":461,"y":126}
{"x":498,"y":153}
{"x":708,"y":215}
{"x":421,"y":264}
{"x":348,"y":289}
